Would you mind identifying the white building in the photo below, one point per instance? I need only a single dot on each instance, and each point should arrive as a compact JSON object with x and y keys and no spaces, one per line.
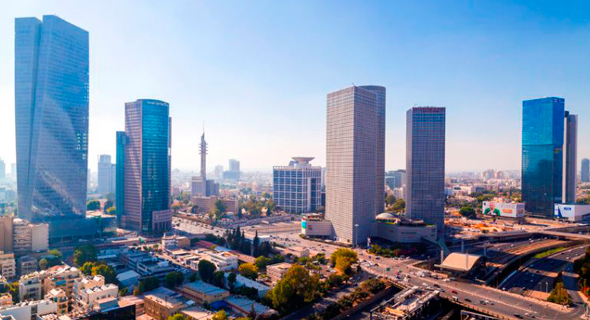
{"x":277,"y":271}
{"x":224,"y":261}
{"x":30,"y":309}
{"x":572,"y":212}
{"x":30,"y":237}
{"x":106,"y":175}
{"x":30,"y":287}
{"x":88,"y":298}
{"x":297,"y":188}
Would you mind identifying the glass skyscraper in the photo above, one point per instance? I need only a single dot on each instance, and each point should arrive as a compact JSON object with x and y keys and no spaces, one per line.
{"x":146,"y":196}
{"x":51,"y":112}
{"x":542,"y":154}
{"x":585,"y":170}
{"x":425,"y":165}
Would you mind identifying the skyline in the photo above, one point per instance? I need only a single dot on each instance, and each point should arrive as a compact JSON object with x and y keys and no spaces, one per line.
{"x":475,"y":64}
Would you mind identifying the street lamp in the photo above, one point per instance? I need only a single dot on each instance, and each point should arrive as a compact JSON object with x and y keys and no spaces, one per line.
{"x":356,"y":234}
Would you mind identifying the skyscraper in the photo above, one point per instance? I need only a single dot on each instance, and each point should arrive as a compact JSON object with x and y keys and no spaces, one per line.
{"x":586,"y":170}
{"x":542,"y":154}
{"x":51,"y":112}
{"x":106,"y":175}
{"x":120,"y":176}
{"x":146,"y":196}
{"x":297,"y":188}
{"x":570,"y":157}
{"x":354,"y":187}
{"x":425,"y":165}
{"x":234,"y":170}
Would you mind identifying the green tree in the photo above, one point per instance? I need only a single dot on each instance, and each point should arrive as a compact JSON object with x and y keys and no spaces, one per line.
{"x":173,"y":279}
{"x":13,"y":289}
{"x":261,"y":262}
{"x":342,"y":259}
{"x":193,"y":277}
{"x":206,"y":270}
{"x":85,"y":253}
{"x":178,"y":316}
{"x":231,"y":280}
{"x":248,"y":270}
{"x":43,"y":264}
{"x":86,"y":268}
{"x":559,"y":295}
{"x":220,"y":315}
{"x":56,"y":258}
{"x":294,"y":290}
{"x":93,"y":205}
{"x":109,"y":274}
{"x":467,"y":211}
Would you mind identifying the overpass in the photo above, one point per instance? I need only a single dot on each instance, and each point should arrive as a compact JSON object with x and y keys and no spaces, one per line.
{"x":564,"y":234}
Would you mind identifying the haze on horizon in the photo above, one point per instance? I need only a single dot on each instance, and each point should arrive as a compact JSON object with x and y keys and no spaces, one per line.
{"x":257,"y":73}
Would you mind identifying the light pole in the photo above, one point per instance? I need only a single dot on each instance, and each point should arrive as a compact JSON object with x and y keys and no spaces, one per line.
{"x":356,"y":234}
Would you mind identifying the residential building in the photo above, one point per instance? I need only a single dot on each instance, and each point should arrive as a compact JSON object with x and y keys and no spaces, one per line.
{"x":425,"y":165}
{"x":202,"y":292}
{"x":154,"y":268}
{"x":61,"y":277}
{"x":160,"y":305}
{"x":27,"y":264}
{"x":570,"y":158}
{"x":5,"y":300}
{"x":224,"y":261}
{"x":30,"y":309}
{"x":88,"y":299}
{"x":146,"y":197}
{"x":242,"y":281}
{"x":106,"y":175}
{"x":51,"y":111}
{"x":59,"y":297}
{"x":277,"y":271}
{"x":542,"y":154}
{"x":585,"y":170}
{"x":355,"y":161}
{"x":297,"y":188}
{"x":30,"y":237}
{"x":6,"y":233}
{"x":30,"y":287}
{"x":7,"y":265}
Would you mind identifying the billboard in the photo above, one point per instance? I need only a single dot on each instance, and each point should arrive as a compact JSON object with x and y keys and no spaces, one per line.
{"x":500,"y":209}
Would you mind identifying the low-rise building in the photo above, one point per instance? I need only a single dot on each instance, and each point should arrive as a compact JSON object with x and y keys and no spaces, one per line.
{"x":297,"y":251}
{"x":59,"y":297}
{"x":202,"y":292}
{"x":61,"y":277}
{"x":162,"y":303}
{"x":133,"y":300}
{"x":197,"y":313}
{"x":30,"y":287}
{"x":207,"y":204}
{"x":91,"y":298}
{"x":572,"y":212}
{"x":224,"y":261}
{"x":30,"y":237}
{"x":154,"y":268}
{"x":277,"y":271}
{"x":244,"y":306}
{"x":242,"y":281}
{"x":30,"y":309}
{"x":27,"y":264}
{"x":7,"y":265}
{"x":404,"y":230}
{"x":5,"y":299}
{"x":173,"y":242}
{"x":315,"y":226}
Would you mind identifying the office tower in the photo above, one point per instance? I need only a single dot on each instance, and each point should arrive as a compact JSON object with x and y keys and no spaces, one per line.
{"x":425,"y":165}
{"x":51,"y":112}
{"x":586,"y":170}
{"x":200,"y":186}
{"x":570,"y":157}
{"x":354,"y":188}
{"x":2,"y":169}
{"x":106,"y":175}
{"x":146,"y":196}
{"x":234,"y":170}
{"x":120,"y":176}
{"x":542,"y":154}
{"x":13,"y":170}
{"x":395,"y":179}
{"x":297,"y":188}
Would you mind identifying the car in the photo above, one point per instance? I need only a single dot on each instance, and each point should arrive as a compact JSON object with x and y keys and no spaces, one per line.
{"x":454,"y":291}
{"x":468,"y":300}
{"x":516,"y":315}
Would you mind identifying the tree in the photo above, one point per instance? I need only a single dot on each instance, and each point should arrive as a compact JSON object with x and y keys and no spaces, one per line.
{"x":178,"y":316}
{"x":373,"y":285}
{"x":43,"y":264}
{"x":256,"y":245}
{"x":231,"y":280}
{"x":467,"y":211}
{"x":85,"y":253}
{"x":559,"y":295}
{"x":262,"y":262}
{"x":109,"y":274}
{"x":296,"y":288}
{"x":13,"y":289}
{"x":55,"y":259}
{"x":399,"y":205}
{"x":206,"y":270}
{"x":193,"y":277}
{"x":145,"y":285}
{"x":248,"y":270}
{"x":86,"y":268}
{"x":220,"y":315}
{"x":173,"y":279}
{"x":93,"y":205}
{"x":219,"y":279}
{"x":112,"y":210}
{"x":107,"y":205}
{"x":342,"y":259}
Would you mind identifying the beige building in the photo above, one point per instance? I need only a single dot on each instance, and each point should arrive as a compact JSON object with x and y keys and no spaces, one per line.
{"x":6,"y":233}
{"x":5,"y":300}
{"x":277,"y":271}
{"x":59,"y":297}
{"x":30,"y":287}
{"x":7,"y":265}
{"x":207,"y":204}
{"x":88,"y":299}
{"x":202,"y":292}
{"x":27,"y":264}
{"x":162,"y":303}
{"x":61,"y":277}
{"x":30,"y":237}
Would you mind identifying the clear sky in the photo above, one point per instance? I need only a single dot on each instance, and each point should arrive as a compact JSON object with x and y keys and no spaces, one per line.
{"x":257,"y":72}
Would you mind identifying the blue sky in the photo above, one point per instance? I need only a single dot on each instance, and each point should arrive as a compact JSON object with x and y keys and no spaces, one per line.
{"x":257,"y":72}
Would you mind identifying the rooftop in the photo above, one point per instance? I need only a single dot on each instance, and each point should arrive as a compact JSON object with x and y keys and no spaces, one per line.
{"x":204,"y":287}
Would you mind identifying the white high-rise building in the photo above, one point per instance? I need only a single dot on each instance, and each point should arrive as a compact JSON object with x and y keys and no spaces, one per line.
{"x":106,"y":175}
{"x":355,"y":154}
{"x":297,"y":188}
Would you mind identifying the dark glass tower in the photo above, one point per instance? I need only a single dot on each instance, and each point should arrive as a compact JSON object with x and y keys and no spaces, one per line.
{"x":146,"y":199}
{"x":51,"y":112}
{"x":425,"y":165}
{"x":586,"y":170}
{"x":542,"y":154}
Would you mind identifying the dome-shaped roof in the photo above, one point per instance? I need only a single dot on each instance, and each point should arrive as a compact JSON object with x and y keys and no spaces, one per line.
{"x":385,"y":216}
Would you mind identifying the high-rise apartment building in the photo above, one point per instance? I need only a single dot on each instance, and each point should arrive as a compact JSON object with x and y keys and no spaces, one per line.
{"x":585,"y":170}
{"x":542,"y":154}
{"x":570,"y":157}
{"x":106,"y":175}
{"x":234,"y":170}
{"x":51,"y":112}
{"x":354,"y":171}
{"x":425,"y":165}
{"x":146,"y":168}
{"x":297,"y":188}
